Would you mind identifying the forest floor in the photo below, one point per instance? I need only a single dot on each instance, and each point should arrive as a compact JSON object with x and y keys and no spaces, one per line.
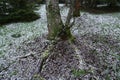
{"x":94,"y":55}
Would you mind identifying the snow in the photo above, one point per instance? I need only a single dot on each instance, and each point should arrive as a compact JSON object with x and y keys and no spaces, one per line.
{"x":106,"y":24}
{"x":27,"y":31}
{"x":103,"y":24}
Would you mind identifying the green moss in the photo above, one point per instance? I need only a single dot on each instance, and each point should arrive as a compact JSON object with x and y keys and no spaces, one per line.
{"x":64,"y":35}
{"x":1,"y":76}
{"x":54,"y":33}
{"x":1,"y":53}
{"x":78,"y":73}
{"x":37,"y":77}
{"x":46,"y":53}
{"x":14,"y":73}
{"x":107,"y":77}
{"x":70,"y":36}
{"x":93,"y":51}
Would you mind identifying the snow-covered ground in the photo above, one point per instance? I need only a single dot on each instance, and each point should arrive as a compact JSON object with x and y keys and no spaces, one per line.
{"x":103,"y":24}
{"x":106,"y":24}
{"x":28,"y":30}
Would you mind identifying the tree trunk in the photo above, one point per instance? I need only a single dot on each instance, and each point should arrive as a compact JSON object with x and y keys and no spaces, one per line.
{"x":66,"y":2}
{"x":56,"y":28}
{"x":76,"y":12}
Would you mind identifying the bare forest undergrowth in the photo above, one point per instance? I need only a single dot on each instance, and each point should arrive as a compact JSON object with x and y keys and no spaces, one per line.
{"x":92,"y":56}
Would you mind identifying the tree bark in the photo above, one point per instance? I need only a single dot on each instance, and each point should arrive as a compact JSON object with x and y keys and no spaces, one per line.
{"x":66,"y":2}
{"x":76,"y":12}
{"x":56,"y":28}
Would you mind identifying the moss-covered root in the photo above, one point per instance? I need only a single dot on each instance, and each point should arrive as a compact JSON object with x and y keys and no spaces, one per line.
{"x":45,"y":56}
{"x":37,"y":77}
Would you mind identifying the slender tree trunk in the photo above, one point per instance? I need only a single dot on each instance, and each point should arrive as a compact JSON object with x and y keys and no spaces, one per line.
{"x":56,"y":28}
{"x":66,"y":2}
{"x":76,"y":12}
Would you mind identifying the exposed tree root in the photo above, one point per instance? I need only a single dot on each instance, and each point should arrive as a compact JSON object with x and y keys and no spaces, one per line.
{"x":24,"y":56}
{"x":46,"y":56}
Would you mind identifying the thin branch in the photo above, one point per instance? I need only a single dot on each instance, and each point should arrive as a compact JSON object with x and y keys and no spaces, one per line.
{"x":70,"y":25}
{"x":70,"y":13}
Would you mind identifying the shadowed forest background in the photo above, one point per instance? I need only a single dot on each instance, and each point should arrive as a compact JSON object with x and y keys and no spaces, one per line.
{"x":59,"y":39}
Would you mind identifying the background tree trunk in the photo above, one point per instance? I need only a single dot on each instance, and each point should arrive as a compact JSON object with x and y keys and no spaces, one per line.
{"x":76,"y":12}
{"x":67,"y":2}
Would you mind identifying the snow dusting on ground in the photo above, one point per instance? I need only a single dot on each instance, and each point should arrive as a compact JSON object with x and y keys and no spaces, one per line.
{"x":97,"y":49}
